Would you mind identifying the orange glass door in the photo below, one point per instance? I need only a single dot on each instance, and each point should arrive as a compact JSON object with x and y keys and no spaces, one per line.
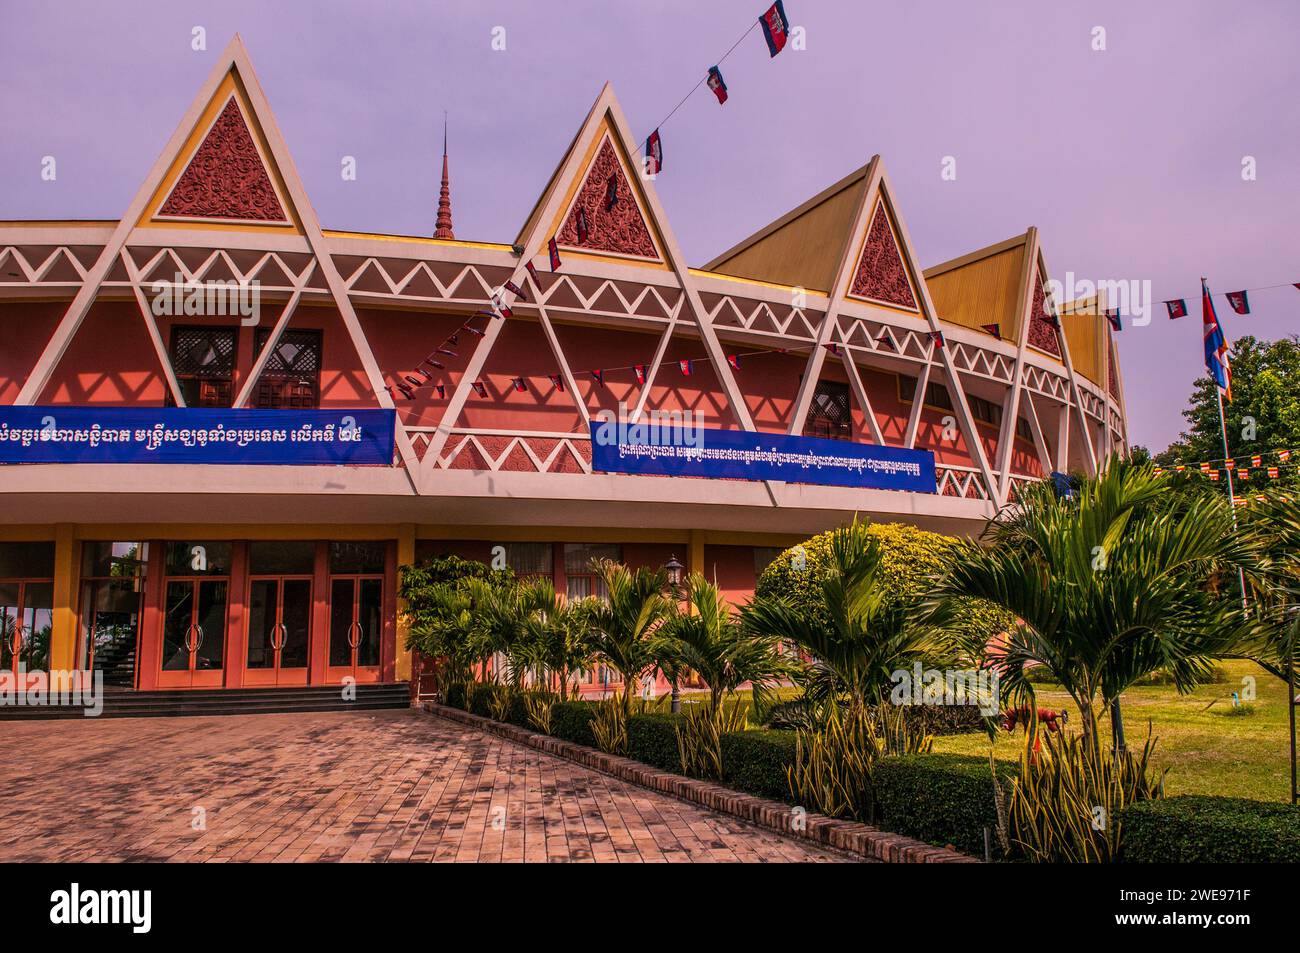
{"x":279,"y":630}
{"x":194,"y":633}
{"x":26,"y":620}
{"x":356,"y":627}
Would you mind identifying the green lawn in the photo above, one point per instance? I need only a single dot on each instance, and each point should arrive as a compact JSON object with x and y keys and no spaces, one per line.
{"x":1206,"y":751}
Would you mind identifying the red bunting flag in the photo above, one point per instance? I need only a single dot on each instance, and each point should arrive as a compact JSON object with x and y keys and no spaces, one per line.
{"x":1205,"y":468}
{"x":472,"y":330}
{"x":452,"y":339}
{"x":833,"y":348}
{"x":687,"y":367}
{"x":654,"y":154}
{"x":1214,"y":476}
{"x":1256,"y":460}
{"x":516,"y":290}
{"x":993,"y":329}
{"x":429,"y":361}
{"x":1272,"y":473}
{"x":532,"y":273}
{"x":734,"y":361}
{"x":414,"y":382}
{"x":1243,"y":474}
{"x":611,"y":191}
{"x":717,"y":85}
{"x":484,"y":312}
{"x":554,"y":248}
{"x":1284,"y":455}
{"x":1239,"y":301}
{"x":557,"y":382}
{"x":582,"y":225}
{"x":520,"y":384}
{"x":1297,"y":284}
{"x":937,"y":338}
{"x":442,"y":391}
{"x":640,"y":373}
{"x":480,"y":388}
{"x":506,"y":312}
{"x":406,"y":392}
{"x":1177,"y":308}
{"x":1112,"y":315}
{"x":886,"y":341}
{"x":776,"y":28}
{"x":599,"y":377}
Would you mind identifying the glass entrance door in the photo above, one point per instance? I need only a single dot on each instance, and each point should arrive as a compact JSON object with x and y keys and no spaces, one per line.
{"x":26,"y":620}
{"x":194,"y":633}
{"x":356,"y":627}
{"x":279,"y":631}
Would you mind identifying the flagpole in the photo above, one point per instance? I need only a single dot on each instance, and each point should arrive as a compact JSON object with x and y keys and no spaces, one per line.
{"x":1227,"y":455}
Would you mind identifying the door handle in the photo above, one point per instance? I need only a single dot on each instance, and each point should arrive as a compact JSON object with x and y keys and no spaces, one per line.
{"x":354,"y":634}
{"x":191,"y":645}
{"x":283,"y":631}
{"x":198,"y":644}
{"x":17,"y":638}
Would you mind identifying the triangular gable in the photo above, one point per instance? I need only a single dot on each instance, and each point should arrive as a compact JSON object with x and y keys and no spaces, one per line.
{"x":1043,"y":334}
{"x":982,"y":287}
{"x":881,"y":276}
{"x":801,"y":248}
{"x":223,"y":174}
{"x":623,"y":229}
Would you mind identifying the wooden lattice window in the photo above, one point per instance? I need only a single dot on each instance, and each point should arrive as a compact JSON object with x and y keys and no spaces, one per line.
{"x":291,"y":377}
{"x":203,"y":360}
{"x":831,"y":414}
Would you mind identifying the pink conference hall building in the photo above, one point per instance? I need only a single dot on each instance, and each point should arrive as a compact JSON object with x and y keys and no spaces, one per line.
{"x":821,"y":324}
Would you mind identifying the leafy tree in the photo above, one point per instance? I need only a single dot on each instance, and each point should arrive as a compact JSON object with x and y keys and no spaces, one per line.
{"x":622,"y":626}
{"x":1121,"y":580}
{"x":856,"y":626}
{"x":1263,"y":416}
{"x":709,"y":641}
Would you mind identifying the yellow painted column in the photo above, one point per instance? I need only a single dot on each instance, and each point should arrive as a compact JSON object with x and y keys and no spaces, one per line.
{"x":405,"y":557}
{"x":695,"y":558}
{"x":63,"y":634}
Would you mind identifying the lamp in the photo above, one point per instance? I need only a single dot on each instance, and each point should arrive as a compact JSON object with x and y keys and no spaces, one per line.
{"x":674,"y":569}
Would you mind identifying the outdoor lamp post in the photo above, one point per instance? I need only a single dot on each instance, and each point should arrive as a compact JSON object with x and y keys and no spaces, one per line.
{"x":675,"y":580}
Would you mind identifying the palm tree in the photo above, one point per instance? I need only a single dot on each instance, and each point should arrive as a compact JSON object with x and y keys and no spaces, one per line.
{"x":621,"y":625}
{"x":865,"y":634}
{"x":556,"y":640}
{"x":1109,"y":585}
{"x":710,"y":642}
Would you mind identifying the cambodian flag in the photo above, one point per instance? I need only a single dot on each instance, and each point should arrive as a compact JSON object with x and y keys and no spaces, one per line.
{"x":776,"y":28}
{"x":654,"y":154}
{"x":1216,"y":346}
{"x":687,"y":367}
{"x":1177,"y":308}
{"x":553,"y":248}
{"x":717,"y":85}
{"x":1240,"y":301}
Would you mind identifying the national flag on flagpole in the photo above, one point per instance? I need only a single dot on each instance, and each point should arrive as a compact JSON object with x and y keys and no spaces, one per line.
{"x":734,"y":361}
{"x":1177,"y":308}
{"x":654,"y":154}
{"x":532,"y":273}
{"x":557,"y":382}
{"x":1239,"y":300}
{"x":993,"y":329}
{"x":582,"y":225}
{"x":776,"y":28}
{"x":717,"y":85}
{"x":611,"y":191}
{"x":687,"y":367}
{"x":639,"y":369}
{"x":554,"y":248}
{"x":1216,"y":346}
{"x":1112,"y":315}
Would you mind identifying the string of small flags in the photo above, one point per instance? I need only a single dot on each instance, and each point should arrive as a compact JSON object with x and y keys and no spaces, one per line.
{"x":1270,"y":462}
{"x":776,"y":32}
{"x":1176,"y":308}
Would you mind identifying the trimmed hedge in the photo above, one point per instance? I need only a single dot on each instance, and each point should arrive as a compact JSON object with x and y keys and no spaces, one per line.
{"x":1199,"y":828}
{"x":939,"y":798}
{"x":755,"y":762}
{"x":652,"y":740}
{"x":571,"y":721}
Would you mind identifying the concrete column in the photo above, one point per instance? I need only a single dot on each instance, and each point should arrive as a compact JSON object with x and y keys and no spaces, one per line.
{"x":63,"y":635}
{"x":405,"y":557}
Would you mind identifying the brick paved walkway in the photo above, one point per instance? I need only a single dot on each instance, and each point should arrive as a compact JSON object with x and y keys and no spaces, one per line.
{"x":386,"y":785}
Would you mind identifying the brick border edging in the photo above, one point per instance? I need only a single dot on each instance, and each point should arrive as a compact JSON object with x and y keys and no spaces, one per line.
{"x":850,"y":836}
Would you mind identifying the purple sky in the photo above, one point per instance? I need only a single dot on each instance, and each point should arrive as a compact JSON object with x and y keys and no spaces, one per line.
{"x":1128,"y":160}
